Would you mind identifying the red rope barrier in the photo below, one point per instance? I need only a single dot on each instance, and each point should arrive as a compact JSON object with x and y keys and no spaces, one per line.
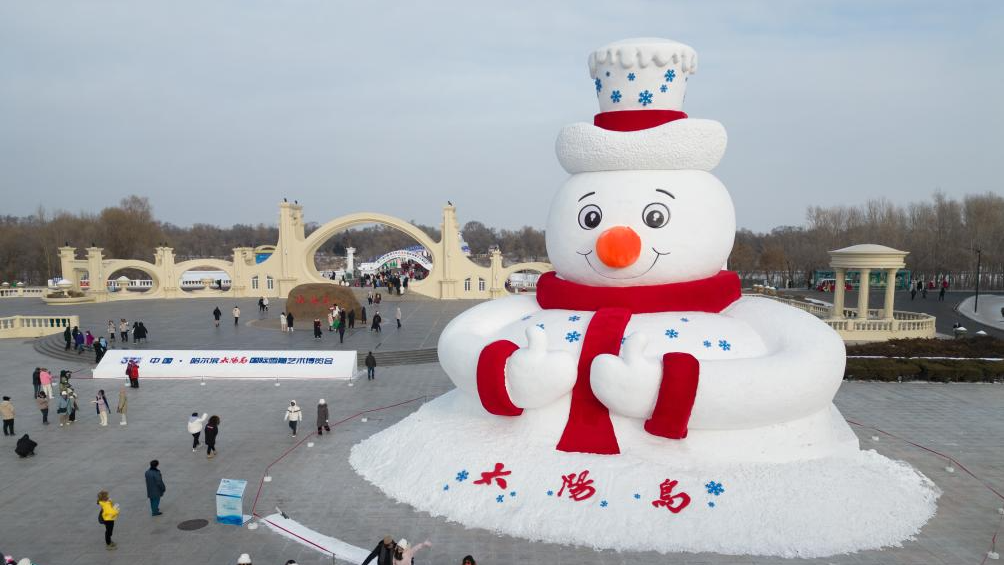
{"x":261,"y":483}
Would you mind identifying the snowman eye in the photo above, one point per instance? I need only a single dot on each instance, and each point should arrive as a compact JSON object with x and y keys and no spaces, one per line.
{"x":655,"y":215}
{"x":590,"y":216}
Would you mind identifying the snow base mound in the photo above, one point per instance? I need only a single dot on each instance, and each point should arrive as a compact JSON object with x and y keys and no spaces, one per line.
{"x":434,"y":460}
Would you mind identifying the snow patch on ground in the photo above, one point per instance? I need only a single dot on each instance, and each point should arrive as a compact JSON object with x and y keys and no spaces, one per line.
{"x":989,"y":312}
{"x":324,"y":544}
{"x":812,"y":508}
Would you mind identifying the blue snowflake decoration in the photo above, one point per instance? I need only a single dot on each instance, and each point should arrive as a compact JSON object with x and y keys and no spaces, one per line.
{"x":715,"y":488}
{"x":663,"y":88}
{"x":550,"y":493}
{"x":615,"y":96}
{"x":726,"y":346}
{"x":573,"y":336}
{"x":446,"y":487}
{"x":684,"y":320}
{"x":541,"y":326}
{"x":499,"y":498}
{"x":670,"y":75}
{"x":711,"y":504}
{"x":574,"y":318}
{"x":707,"y":343}
{"x":637,"y":496}
{"x":644,"y":98}
{"x":672,"y":334}
{"x":608,"y":73}
{"x":512,"y":493}
{"x":525,"y":318}
{"x":462,"y":476}
{"x":599,"y":85}
{"x":631,"y":76}
{"x":603,"y":504}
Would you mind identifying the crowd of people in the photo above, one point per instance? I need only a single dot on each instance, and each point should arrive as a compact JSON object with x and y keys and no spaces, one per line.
{"x":81,"y":341}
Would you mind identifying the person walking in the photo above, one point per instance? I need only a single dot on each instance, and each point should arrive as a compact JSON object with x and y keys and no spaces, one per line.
{"x":369,"y":297}
{"x":123,"y":405}
{"x":217,"y":314}
{"x":322,"y":417}
{"x":78,"y":340}
{"x":282,"y":322}
{"x":67,"y":337}
{"x":941,"y":294}
{"x":397,"y":317}
{"x":341,"y":327}
{"x":212,"y":429}
{"x":73,"y":405}
{"x":106,"y":516}
{"x":370,"y":366}
{"x":124,"y":330}
{"x":289,"y":322}
{"x":237,"y":314}
{"x":261,"y":306}
{"x":293,"y":416}
{"x":63,"y":408}
{"x":468,"y":560}
{"x":264,"y":302}
{"x":195,"y":425}
{"x":88,"y":339}
{"x":405,"y":554}
{"x":102,"y":407}
{"x":331,"y":319}
{"x":111,"y":330}
{"x":36,"y":380}
{"x":7,"y":414}
{"x":352,"y":318}
{"x":317,"y":328}
{"x":377,"y":320}
{"x":383,"y":552}
{"x":45,"y":377}
{"x":100,"y":347}
{"x":43,"y":406}
{"x":64,"y":380}
{"x":155,"y":488}
{"x":362,"y":315}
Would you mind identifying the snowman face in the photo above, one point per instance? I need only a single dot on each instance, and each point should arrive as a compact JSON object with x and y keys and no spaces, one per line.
{"x":634,"y":228}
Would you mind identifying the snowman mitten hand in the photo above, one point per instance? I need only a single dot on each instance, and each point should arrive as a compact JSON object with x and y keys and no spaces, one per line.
{"x":627,"y":384}
{"x":536,"y":376}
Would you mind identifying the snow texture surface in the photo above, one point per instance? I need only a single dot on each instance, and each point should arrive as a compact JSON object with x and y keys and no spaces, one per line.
{"x":810,"y":508}
{"x":681,"y":144}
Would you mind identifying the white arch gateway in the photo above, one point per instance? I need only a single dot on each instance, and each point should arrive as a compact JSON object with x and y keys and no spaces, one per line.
{"x":451,"y":274}
{"x":400,"y":255}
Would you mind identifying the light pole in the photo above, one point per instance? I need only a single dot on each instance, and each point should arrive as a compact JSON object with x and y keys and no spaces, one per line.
{"x":976,"y":303}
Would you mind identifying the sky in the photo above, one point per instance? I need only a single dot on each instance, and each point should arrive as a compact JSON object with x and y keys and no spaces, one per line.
{"x":218,"y":110}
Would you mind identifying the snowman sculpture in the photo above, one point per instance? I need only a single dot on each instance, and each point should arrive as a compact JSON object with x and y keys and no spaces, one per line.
{"x":639,"y":357}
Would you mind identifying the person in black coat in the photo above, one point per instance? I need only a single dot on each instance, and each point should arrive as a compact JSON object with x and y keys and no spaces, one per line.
{"x":383,"y":552}
{"x":212,"y":428}
{"x":67,"y":337}
{"x":216,"y":315}
{"x":352,"y":318}
{"x":289,"y":321}
{"x":25,"y":447}
{"x":36,"y":380}
{"x":370,"y":366}
{"x":155,"y":488}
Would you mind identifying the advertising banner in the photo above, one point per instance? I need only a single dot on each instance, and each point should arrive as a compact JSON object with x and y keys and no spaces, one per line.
{"x":230,"y":501}
{"x":190,"y":364}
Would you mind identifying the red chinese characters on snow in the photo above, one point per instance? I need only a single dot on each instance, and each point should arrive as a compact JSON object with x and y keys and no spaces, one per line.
{"x":579,"y":486}
{"x":300,"y":299}
{"x":496,"y":475}
{"x":672,"y":502}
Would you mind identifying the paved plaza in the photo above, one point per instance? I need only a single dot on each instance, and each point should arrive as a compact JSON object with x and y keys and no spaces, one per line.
{"x":49,"y":506}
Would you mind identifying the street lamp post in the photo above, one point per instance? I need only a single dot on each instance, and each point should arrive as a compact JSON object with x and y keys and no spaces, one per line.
{"x":976,"y":303}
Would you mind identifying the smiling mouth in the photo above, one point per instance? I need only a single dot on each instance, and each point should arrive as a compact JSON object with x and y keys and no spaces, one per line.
{"x":654,"y":261}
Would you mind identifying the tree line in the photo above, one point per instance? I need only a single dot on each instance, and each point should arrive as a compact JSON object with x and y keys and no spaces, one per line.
{"x":942,"y":236}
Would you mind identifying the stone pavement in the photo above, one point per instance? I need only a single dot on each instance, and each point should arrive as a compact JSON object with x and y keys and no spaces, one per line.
{"x":47,"y":508}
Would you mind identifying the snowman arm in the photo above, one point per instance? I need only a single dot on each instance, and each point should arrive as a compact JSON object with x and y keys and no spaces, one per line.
{"x":464,"y":338}
{"x":797,"y":377}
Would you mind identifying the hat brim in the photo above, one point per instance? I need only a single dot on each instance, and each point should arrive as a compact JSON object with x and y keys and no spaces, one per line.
{"x":681,"y":144}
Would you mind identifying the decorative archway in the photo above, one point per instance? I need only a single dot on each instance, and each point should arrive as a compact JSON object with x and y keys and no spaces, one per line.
{"x":199,"y":264}
{"x":113,"y":266}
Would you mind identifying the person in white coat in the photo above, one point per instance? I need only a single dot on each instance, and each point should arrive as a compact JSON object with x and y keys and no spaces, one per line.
{"x":237,"y":314}
{"x":293,"y":416}
{"x":195,"y":425}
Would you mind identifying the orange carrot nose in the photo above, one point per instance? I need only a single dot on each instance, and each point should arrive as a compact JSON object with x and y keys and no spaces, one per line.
{"x":618,"y":247}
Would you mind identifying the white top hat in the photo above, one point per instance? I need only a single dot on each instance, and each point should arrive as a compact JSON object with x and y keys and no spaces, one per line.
{"x":640,"y":85}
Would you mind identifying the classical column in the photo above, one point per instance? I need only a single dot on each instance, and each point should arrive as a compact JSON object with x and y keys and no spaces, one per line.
{"x":890,"y":293}
{"x":863,"y":293}
{"x":838,"y":293}
{"x":350,"y":260}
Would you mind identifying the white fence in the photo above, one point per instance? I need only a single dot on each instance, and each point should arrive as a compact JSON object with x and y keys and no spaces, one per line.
{"x":35,"y":326}
{"x":20,"y":292}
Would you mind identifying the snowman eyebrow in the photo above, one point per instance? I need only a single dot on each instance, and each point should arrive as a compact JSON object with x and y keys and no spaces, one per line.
{"x":586,"y":195}
{"x":669,"y":194}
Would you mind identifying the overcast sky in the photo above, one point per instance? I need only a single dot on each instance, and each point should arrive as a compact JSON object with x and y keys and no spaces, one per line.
{"x":217,"y":110}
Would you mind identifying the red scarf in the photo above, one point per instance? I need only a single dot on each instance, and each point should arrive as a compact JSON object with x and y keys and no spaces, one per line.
{"x":712,"y":294}
{"x":589,"y":429}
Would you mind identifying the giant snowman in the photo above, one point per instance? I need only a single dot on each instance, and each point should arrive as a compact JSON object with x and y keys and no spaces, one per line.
{"x":638,"y":401}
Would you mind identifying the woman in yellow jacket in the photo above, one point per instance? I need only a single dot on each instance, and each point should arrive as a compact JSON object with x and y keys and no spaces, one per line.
{"x":109,"y":512}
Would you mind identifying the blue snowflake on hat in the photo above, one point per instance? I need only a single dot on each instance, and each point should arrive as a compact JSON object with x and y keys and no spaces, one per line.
{"x":644,"y":98}
{"x":615,"y":96}
{"x":599,"y":85}
{"x":670,"y":75}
